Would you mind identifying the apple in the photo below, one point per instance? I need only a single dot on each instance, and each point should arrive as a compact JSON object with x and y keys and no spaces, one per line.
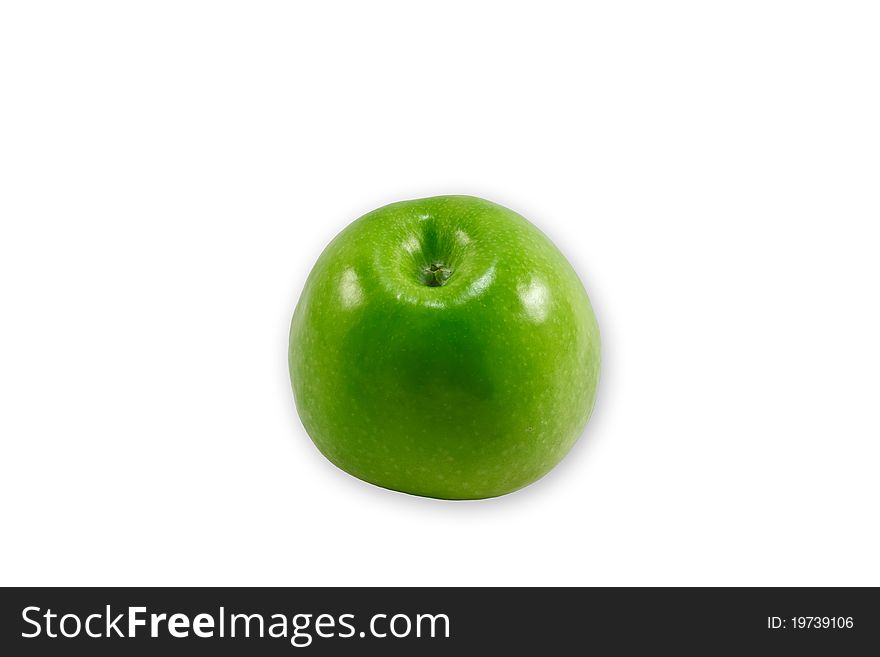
{"x":444,"y":347}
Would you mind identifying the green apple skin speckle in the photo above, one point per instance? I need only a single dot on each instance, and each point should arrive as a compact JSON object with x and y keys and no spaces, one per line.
{"x":444,"y":347}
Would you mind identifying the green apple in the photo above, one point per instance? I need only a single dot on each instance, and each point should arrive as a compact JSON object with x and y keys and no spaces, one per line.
{"x":444,"y":347}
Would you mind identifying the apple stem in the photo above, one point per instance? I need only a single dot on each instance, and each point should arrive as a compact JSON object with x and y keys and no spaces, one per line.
{"x":436,"y":275}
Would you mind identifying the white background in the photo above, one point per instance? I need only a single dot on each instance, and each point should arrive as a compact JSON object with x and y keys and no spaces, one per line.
{"x":170,"y":171}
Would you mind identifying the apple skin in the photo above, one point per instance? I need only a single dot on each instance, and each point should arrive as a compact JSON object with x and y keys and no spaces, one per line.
{"x":444,"y":347}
